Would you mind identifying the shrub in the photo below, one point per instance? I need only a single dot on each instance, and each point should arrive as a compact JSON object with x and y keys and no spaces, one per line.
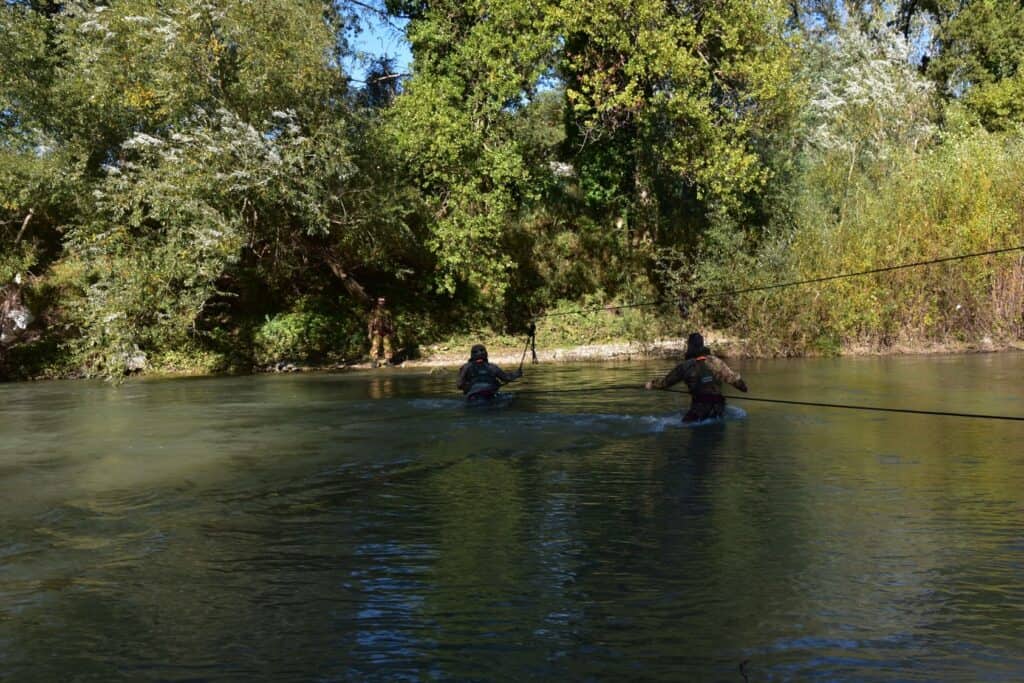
{"x":305,"y":336}
{"x":961,"y":197}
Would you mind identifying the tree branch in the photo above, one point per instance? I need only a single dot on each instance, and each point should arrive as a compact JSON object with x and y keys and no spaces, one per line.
{"x":351,"y":286}
{"x":388,"y":77}
{"x":24,"y":224}
{"x":381,"y":12}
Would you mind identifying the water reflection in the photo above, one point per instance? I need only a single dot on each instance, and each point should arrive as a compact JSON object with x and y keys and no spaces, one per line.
{"x":369,"y":527}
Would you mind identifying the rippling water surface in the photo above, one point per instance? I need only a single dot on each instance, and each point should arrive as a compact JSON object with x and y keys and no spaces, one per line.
{"x":367,"y":526}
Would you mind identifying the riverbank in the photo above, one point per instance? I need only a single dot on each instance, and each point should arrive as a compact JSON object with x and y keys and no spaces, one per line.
{"x":502,"y":352}
{"x":447,"y":355}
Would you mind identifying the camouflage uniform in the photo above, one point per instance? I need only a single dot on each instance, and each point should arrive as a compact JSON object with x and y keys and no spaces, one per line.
{"x":381,"y":330}
{"x":479,"y":379}
{"x":703,"y":375}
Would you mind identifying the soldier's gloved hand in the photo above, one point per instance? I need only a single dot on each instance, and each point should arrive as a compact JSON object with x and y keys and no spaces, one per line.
{"x":742,"y":386}
{"x":649,"y":385}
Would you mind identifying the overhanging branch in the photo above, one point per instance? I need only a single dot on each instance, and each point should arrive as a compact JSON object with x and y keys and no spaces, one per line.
{"x":24,"y":224}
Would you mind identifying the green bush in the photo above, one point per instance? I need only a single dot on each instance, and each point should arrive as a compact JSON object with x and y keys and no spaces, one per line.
{"x":189,"y":361}
{"x":961,"y":197}
{"x":305,"y":336}
{"x":594,"y":319}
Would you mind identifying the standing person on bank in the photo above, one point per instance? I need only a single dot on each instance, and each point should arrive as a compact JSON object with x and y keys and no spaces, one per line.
{"x":381,"y":332}
{"x":703,"y":374}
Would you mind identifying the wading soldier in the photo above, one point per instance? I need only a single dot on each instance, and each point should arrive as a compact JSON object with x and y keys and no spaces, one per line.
{"x":703,"y":374}
{"x":381,"y":331}
{"x":479,"y":379}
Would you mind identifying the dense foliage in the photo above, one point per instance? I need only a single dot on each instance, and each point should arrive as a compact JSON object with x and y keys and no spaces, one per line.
{"x":201,"y":183}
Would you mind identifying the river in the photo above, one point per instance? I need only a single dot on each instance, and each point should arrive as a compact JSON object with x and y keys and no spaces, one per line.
{"x":366,"y":526}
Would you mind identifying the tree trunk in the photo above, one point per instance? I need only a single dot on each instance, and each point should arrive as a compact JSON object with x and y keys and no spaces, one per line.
{"x":24,"y":224}
{"x":354,"y":289}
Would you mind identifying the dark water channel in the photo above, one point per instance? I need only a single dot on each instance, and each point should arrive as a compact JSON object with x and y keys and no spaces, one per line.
{"x":366,"y":526}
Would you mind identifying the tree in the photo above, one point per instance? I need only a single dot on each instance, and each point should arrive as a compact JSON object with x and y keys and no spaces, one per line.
{"x":668,"y":101}
{"x":971,"y":49}
{"x":979,"y":60}
{"x":205,"y":143}
{"x":477,"y":64}
{"x":867,"y":100}
{"x":665,"y":103}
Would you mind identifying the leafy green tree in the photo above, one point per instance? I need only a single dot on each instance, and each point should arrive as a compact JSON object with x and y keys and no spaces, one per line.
{"x":213,"y":152}
{"x":664,"y":107}
{"x":972,"y":49}
{"x":477,"y":64}
{"x":980,"y":59}
{"x":867,"y":104}
{"x":35,"y":189}
{"x":668,"y":103}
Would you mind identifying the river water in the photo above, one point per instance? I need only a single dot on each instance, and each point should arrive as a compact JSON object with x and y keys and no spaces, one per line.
{"x":367,"y":526}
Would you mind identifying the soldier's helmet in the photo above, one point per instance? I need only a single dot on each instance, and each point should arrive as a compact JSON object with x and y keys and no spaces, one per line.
{"x":478,"y":354}
{"x":694,"y":345}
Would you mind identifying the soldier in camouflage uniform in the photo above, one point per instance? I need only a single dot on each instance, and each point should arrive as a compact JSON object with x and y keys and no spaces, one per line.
{"x":381,"y":331}
{"x":703,"y":374}
{"x":481,"y":380}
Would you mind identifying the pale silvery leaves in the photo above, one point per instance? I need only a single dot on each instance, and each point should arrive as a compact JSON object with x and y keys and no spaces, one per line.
{"x":142,"y":140}
{"x":228,"y":147}
{"x":172,"y":217}
{"x":868,"y":97}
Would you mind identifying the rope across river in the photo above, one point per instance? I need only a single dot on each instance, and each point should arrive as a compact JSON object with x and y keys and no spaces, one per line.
{"x":792,"y":283}
{"x":531,"y":340}
{"x":814,"y":404}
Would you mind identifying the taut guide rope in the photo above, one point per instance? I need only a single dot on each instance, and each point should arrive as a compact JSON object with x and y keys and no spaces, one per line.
{"x":532,"y":339}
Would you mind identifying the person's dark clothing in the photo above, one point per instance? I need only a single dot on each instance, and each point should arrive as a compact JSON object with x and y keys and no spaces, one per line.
{"x":480,"y":379}
{"x":703,"y":375}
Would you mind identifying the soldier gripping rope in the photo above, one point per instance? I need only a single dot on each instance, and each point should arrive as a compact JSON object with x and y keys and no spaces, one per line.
{"x":703,"y":374}
{"x":480,"y":380}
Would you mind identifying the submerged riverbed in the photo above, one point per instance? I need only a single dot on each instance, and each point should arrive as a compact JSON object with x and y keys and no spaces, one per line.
{"x":367,"y":526}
